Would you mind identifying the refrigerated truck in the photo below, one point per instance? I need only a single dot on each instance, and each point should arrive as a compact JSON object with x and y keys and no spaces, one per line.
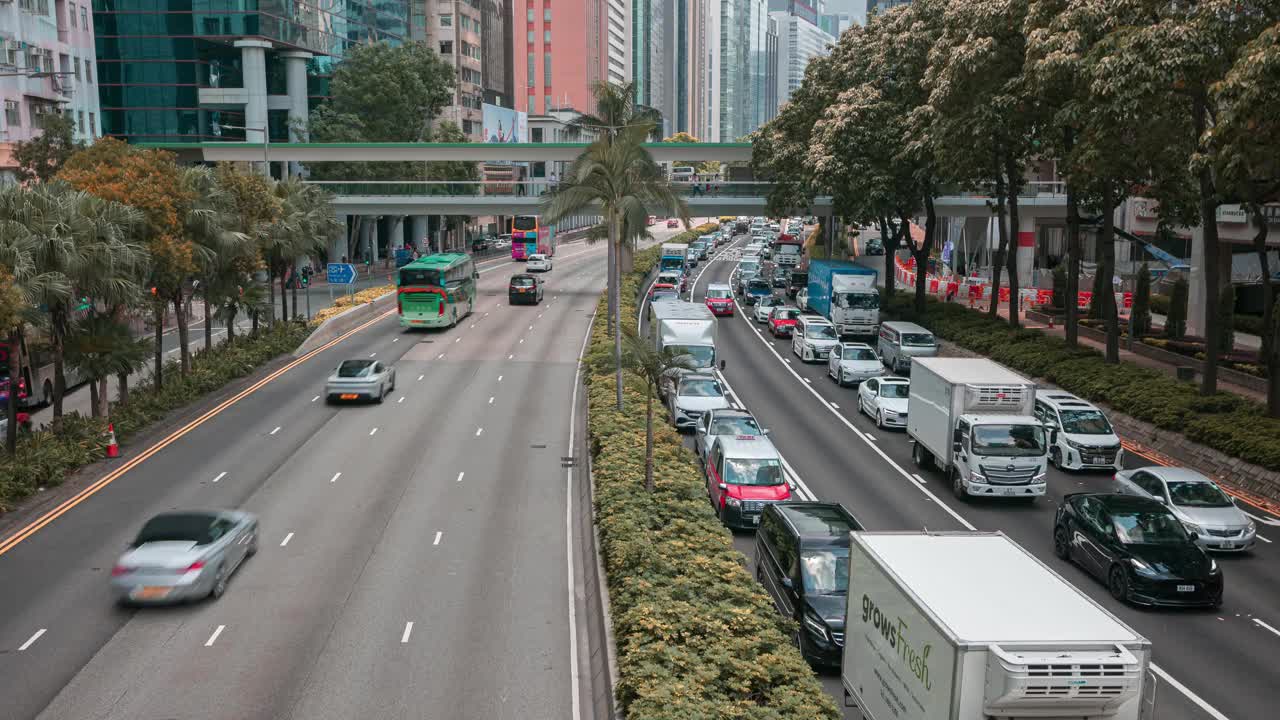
{"x":975,"y":421}
{"x":673,"y":257}
{"x":686,"y":328}
{"x":970,"y":626}
{"x":845,"y":294}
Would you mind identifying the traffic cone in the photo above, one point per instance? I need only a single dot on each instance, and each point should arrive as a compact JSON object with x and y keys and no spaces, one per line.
{"x":113,"y":448}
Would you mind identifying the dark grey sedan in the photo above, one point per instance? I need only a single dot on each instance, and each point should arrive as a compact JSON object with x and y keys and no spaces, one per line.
{"x":183,"y":556}
{"x":360,"y":380}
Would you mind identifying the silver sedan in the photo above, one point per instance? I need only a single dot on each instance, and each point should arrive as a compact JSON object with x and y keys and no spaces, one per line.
{"x":360,"y":380}
{"x":183,"y":556}
{"x":1209,"y":514}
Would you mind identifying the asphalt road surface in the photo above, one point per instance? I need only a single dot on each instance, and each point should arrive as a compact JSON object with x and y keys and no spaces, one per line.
{"x":1211,"y":664}
{"x":413,"y":554}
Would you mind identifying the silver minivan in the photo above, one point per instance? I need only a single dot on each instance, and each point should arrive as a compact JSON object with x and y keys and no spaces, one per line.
{"x":901,"y":341}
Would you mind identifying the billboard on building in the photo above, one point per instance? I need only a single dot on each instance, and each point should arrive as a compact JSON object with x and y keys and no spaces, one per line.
{"x":504,"y":125}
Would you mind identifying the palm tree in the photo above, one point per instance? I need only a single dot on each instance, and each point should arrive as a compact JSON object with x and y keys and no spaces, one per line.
{"x":623,"y":180}
{"x":303,"y":228}
{"x":653,"y":366}
{"x":103,"y":346}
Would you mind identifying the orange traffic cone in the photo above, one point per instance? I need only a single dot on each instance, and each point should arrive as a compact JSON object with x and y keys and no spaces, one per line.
{"x":113,"y":448}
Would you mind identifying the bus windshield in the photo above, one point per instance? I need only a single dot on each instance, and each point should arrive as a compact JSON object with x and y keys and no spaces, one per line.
{"x":524,"y":222}
{"x":414,"y":277}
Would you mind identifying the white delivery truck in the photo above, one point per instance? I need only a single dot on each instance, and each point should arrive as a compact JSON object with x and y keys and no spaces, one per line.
{"x":975,"y":421}
{"x":970,"y":626}
{"x":686,"y":328}
{"x":674,"y":257}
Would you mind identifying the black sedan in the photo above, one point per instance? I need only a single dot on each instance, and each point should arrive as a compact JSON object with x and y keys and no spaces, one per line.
{"x":780,"y":277}
{"x":1138,"y":548}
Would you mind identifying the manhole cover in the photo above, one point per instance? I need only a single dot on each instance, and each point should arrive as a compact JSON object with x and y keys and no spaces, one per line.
{"x":542,"y":446}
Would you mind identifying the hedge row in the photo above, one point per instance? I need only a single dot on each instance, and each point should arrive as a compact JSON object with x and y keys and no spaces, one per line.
{"x":1225,"y":422}
{"x":345,"y":302}
{"x":1249,"y":324}
{"x":696,"y":635}
{"x":44,"y":458}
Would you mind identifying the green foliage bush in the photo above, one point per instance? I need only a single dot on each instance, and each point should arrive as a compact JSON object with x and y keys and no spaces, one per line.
{"x":697,"y":637}
{"x":1225,"y":422}
{"x":44,"y":458}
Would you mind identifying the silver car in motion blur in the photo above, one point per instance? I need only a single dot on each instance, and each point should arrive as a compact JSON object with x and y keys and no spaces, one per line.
{"x":360,"y":380}
{"x":182,"y":556}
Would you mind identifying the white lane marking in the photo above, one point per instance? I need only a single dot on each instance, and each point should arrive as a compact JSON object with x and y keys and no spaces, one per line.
{"x":917,"y":478}
{"x":457,"y":340}
{"x":1210,"y":710}
{"x":371,"y":432}
{"x":499,"y":378}
{"x":1262,"y":539}
{"x":521,"y":341}
{"x":478,"y":431}
{"x":460,"y":475}
{"x":408,"y":628}
{"x":510,"y":356}
{"x":373,"y":354}
{"x":286,"y":539}
{"x":808,"y":381}
{"x":315,"y":398}
{"x":574,"y":682}
{"x":800,"y":484}
{"x":1267,"y":521}
{"x":787,"y":360}
{"x":530,"y":327}
{"x":835,"y":406}
{"x":32,"y":640}
{"x":440,"y":356}
{"x":395,"y":340}
{"x":490,"y":399}
{"x":473,"y":326}
{"x":401,"y":399}
{"x":335,"y":477}
{"x":273,"y":432}
{"x":1273,"y":630}
{"x":539,"y":316}
{"x":214,"y":637}
{"x":439,"y":534}
{"x":220,"y":476}
{"x":420,"y":377}
{"x":870,"y":437}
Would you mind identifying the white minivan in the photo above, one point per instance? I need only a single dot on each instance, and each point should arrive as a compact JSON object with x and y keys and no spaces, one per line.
{"x":813,"y":338}
{"x":1085,"y":438}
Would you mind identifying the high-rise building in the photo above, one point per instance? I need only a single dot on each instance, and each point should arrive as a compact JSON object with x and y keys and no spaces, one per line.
{"x":771,"y":101}
{"x":46,"y":67}
{"x":835,"y":24}
{"x":800,"y":8}
{"x":742,"y":29}
{"x":562,"y":48}
{"x":649,"y":30}
{"x":495,"y":59}
{"x":877,"y":7}
{"x":455,"y":30}
{"x":171,"y":71}
{"x":798,"y":42}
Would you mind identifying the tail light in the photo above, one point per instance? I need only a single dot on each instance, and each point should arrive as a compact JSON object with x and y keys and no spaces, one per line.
{"x":197,"y":565}
{"x":119,"y":570}
{"x":400,"y":303}
{"x":441,"y":312}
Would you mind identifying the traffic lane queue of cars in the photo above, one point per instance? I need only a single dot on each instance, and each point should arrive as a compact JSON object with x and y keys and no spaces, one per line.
{"x":1231,"y":523}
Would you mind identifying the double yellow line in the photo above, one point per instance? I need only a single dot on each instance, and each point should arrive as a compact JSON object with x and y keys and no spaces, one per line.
{"x":12,"y":541}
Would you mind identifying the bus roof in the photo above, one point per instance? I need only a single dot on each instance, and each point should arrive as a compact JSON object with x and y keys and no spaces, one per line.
{"x":438,"y":260}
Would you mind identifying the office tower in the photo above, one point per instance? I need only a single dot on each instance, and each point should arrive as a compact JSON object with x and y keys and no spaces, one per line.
{"x":562,"y":48}
{"x":798,"y":42}
{"x":649,"y":59}
{"x":742,"y":54}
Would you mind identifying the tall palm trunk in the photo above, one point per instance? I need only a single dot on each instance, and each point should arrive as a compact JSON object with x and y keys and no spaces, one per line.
{"x":627,"y":257}
{"x":58,"y":337}
{"x":159,"y":345}
{"x":122,"y":388}
{"x":208,"y":326}
{"x":1267,"y":355}
{"x":294,"y":291}
{"x":284,"y":297}
{"x":1071,"y":307}
{"x":184,"y":338}
{"x":1106,"y":269}
{"x":1015,"y":241}
{"x":94,"y":410}
{"x":104,"y":404}
{"x":615,"y":292}
{"x":11,"y":403}
{"x":1212,"y":259}
{"x":271,"y":297}
{"x":1002,"y":231}
{"x":612,"y":304}
{"x":648,"y":442}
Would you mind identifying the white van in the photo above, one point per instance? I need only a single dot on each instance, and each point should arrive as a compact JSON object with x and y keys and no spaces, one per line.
{"x":901,"y":341}
{"x":813,"y":338}
{"x":1086,"y":440}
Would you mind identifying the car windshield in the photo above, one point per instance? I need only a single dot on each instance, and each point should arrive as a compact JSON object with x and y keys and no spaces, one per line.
{"x":820,"y":332}
{"x":862,"y":301}
{"x":825,"y":572}
{"x":1197,"y":494}
{"x":858,"y":354}
{"x":420,"y":276}
{"x":734,"y":426}
{"x":354,"y":368}
{"x":1148,"y":528}
{"x":1011,"y":440}
{"x":756,"y":471}
{"x":786,"y":314}
{"x":193,"y":527}
{"x":759,"y":286}
{"x":768,"y":302}
{"x":665,"y":295}
{"x":894,"y":390}
{"x":522,"y":281}
{"x":1085,"y":422}
{"x":719,"y":294}
{"x":702,"y":356}
{"x":918,"y":339}
{"x":750,"y":267}
{"x":524,"y":223}
{"x":699,"y":387}
{"x":799,"y":278}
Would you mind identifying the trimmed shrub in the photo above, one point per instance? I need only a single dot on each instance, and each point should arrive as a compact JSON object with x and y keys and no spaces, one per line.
{"x":696,"y":636}
{"x":367,"y":295}
{"x":45,"y":458}
{"x":1175,"y":324}
{"x":1225,"y":422}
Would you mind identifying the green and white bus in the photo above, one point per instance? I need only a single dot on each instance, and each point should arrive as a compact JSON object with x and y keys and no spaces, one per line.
{"x":436,"y":290}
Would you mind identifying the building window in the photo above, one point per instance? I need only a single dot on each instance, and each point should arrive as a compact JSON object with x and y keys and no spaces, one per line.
{"x":546,"y":36}
{"x":532,"y":70}
{"x":446,"y":47}
{"x":535,"y":134}
{"x":546,"y":103}
{"x":530,"y":14}
{"x":529,"y":37}
{"x":80,"y":121}
{"x":71,"y":16}
{"x":75,"y":68}
{"x":88,"y":71}
{"x":93,"y":125}
{"x":12,"y":113}
{"x":546,"y":69}
{"x":546,"y":15}
{"x":84,"y":18}
{"x":446,"y":21}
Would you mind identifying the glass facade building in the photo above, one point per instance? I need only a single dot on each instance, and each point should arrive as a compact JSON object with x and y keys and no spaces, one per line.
{"x":743,"y":55}
{"x":184,"y":70}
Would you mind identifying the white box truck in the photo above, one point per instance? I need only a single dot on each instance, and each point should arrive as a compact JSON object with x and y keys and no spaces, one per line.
{"x":970,"y":626}
{"x":686,"y":328}
{"x":975,"y":421}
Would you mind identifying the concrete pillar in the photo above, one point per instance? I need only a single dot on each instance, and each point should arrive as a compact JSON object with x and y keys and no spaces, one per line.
{"x":397,"y":233}
{"x":296,"y":88}
{"x":338,"y":243}
{"x":1026,"y":247}
{"x":253,"y":65}
{"x":1198,"y":301}
{"x":418,"y":232}
{"x":366,"y":239}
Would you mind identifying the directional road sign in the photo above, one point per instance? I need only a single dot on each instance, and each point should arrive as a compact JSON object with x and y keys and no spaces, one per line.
{"x":341,"y":273}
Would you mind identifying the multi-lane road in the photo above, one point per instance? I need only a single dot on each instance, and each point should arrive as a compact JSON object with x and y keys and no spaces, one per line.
{"x":415,"y":558}
{"x":1216,"y":664}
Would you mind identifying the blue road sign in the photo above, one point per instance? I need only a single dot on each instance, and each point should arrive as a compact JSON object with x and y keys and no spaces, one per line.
{"x":341,"y":273}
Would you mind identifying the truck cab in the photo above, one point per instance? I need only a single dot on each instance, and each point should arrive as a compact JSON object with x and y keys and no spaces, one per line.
{"x":999,"y":456}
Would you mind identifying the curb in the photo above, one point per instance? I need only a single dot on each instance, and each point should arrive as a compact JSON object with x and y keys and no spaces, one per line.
{"x":602,"y":585}
{"x":344,"y":321}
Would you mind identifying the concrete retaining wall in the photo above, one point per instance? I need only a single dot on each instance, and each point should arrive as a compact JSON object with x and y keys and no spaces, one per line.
{"x":346,"y":321}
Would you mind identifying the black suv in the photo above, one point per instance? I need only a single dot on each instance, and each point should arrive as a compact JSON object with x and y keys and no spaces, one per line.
{"x":1138,"y":548}
{"x":798,"y":281}
{"x":802,"y":560}
{"x":524,"y":288}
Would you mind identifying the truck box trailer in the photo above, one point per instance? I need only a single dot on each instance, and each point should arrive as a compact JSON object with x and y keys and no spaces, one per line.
{"x":673,"y":257}
{"x":684,"y":327}
{"x":845,"y":294}
{"x":974,"y":420}
{"x":970,"y":626}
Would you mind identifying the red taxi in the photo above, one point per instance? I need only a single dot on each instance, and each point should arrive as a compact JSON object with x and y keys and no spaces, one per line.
{"x":673,"y":223}
{"x":720,"y":299}
{"x":782,"y":321}
{"x":744,"y":473}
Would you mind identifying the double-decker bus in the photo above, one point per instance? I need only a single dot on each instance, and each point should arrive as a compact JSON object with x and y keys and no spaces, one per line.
{"x":524,"y":236}
{"x":436,"y":290}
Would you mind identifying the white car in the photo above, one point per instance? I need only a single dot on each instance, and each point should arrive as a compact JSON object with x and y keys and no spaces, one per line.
{"x":802,"y":300}
{"x":1209,"y":514}
{"x":852,"y":363}
{"x":718,"y":423}
{"x":813,"y":338}
{"x":539,"y":263}
{"x":1085,"y":439}
{"x":764,"y":306}
{"x":884,"y":399}
{"x":694,"y":395}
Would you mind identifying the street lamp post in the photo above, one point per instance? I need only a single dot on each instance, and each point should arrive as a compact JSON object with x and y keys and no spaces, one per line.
{"x":266,"y":144}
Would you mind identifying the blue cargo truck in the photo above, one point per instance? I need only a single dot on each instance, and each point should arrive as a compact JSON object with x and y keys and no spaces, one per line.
{"x":845,"y":294}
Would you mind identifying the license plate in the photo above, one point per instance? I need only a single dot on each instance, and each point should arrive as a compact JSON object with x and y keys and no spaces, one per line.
{"x":348,"y":396}
{"x":1186,"y":588}
{"x":755,"y":519}
{"x":1010,"y":491}
{"x":153,"y":593}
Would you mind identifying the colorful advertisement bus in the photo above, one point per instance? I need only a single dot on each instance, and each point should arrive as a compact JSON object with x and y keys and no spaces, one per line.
{"x":524,"y":236}
{"x":436,"y":290}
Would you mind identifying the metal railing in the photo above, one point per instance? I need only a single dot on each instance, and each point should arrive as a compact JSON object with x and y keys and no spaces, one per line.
{"x":521,"y":188}
{"x":987,"y":190}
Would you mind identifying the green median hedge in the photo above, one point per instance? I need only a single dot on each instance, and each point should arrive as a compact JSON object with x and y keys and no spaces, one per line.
{"x":1225,"y":422}
{"x":44,"y":458}
{"x":696,"y":636}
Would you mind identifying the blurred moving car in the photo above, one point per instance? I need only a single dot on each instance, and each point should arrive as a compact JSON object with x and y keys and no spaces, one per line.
{"x":673,"y":223}
{"x":539,"y":263}
{"x":524,"y":289}
{"x":1208,"y":513}
{"x":360,"y":380}
{"x":180,"y":556}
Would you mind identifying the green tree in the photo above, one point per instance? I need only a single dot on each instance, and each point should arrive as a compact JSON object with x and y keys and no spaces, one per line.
{"x":302,"y":228}
{"x":1227,"y":316}
{"x":251,"y":205}
{"x":1140,"y":315}
{"x":1175,"y":323}
{"x":621,"y":178}
{"x":709,"y":167}
{"x":40,"y":158}
{"x":103,"y":346}
{"x":652,"y":366}
{"x":21,"y":284}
